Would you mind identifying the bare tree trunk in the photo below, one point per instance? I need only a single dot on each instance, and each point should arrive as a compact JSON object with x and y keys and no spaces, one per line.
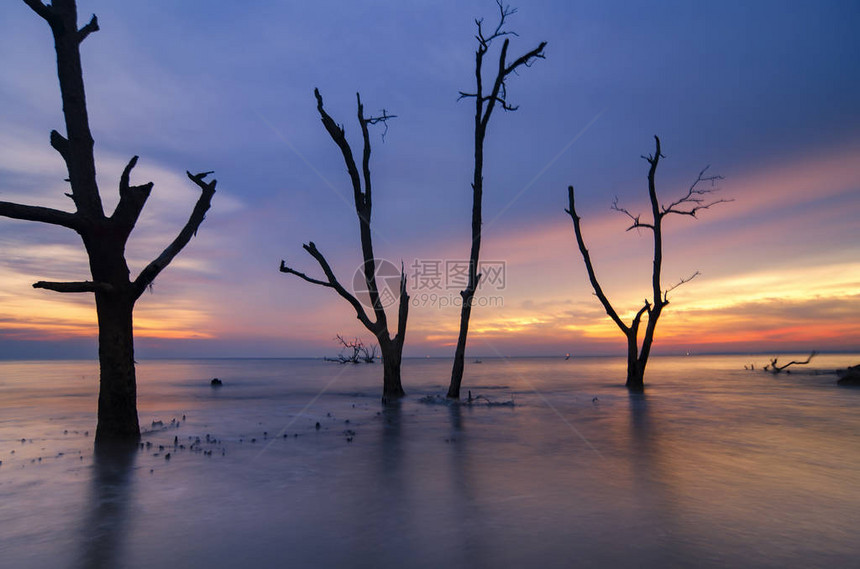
{"x":390,"y":347}
{"x":484,"y":105}
{"x":392,"y":355}
{"x":104,"y":237}
{"x":635,"y":367}
{"x":694,"y":201}
{"x":460,"y":353}
{"x":117,"y":411}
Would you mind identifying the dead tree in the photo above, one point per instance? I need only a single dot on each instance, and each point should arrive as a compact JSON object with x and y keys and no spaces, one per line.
{"x":390,"y":347}
{"x":697,"y":198}
{"x":104,"y":237}
{"x":485,"y":102}
{"x":774,"y":368}
{"x":350,"y":351}
{"x":354,"y":352}
{"x":369,"y":354}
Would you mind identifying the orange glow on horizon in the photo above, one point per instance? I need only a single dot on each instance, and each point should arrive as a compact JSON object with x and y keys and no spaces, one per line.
{"x":741,"y":299}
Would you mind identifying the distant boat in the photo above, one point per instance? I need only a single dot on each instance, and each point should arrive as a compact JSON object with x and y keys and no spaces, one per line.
{"x":478,"y":362}
{"x":566,"y":357}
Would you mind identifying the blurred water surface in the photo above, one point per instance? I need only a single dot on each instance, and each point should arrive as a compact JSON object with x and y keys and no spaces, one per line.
{"x":714,"y":466}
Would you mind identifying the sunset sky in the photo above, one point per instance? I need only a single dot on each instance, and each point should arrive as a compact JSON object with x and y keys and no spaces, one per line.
{"x":764,"y":92}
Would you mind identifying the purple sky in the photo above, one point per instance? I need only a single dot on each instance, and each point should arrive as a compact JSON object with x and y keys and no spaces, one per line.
{"x":764,"y":92}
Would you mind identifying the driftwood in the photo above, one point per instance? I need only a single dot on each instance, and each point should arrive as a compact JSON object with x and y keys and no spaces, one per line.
{"x":468,"y":402}
{"x":354,"y":352}
{"x":774,"y":367}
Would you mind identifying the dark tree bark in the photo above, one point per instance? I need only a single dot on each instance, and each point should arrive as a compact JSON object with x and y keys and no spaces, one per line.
{"x":104,"y":237}
{"x":484,"y":105}
{"x":697,"y":198}
{"x":391,"y":348}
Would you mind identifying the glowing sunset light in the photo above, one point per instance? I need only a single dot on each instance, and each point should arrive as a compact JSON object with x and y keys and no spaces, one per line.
{"x":45,"y":330}
{"x":810,"y":284}
{"x":171,"y":322}
{"x":779,"y":264}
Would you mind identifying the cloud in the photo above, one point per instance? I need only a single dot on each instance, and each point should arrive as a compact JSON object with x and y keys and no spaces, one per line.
{"x":183,"y":96}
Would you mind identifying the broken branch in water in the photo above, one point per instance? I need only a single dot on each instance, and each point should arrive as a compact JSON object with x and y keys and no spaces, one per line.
{"x":773,"y":367}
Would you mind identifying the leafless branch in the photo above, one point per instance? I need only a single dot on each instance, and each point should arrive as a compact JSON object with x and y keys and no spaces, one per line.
{"x":499,"y":91}
{"x":527,"y":59}
{"x":331,"y":282}
{"x":677,"y":284}
{"x":355,"y":345}
{"x":92,"y":26}
{"x":500,"y":99}
{"x":484,"y":105}
{"x":360,"y":353}
{"x":369,"y":355}
{"x":504,"y":12}
{"x":774,"y":368}
{"x":367,"y":205}
{"x":697,"y":197}
{"x":44,"y":11}
{"x":391,"y":348}
{"x":84,"y":286}
{"x":60,"y":144}
{"x":637,"y":319}
{"x":41,"y":214}
{"x":634,"y":218}
{"x":131,"y":199}
{"x":285,"y":269}
{"x":653,"y":159}
{"x":148,"y":274}
{"x":589,"y":267}
{"x":637,"y":357}
{"x":337,"y":134}
{"x":383,"y":118}
{"x":403,"y":308}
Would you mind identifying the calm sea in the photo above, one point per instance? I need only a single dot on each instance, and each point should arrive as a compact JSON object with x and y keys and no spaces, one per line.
{"x":295,"y":463}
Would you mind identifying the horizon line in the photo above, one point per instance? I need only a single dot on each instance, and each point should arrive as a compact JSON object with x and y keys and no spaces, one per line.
{"x":429,"y":357}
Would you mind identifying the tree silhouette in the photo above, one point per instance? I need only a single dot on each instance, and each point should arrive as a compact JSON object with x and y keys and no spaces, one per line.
{"x":104,"y":237}
{"x":390,"y":347}
{"x":696,"y":199}
{"x":354,"y":352}
{"x":484,"y":105}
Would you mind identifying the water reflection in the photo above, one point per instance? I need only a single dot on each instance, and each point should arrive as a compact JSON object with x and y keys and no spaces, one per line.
{"x":653,"y":484}
{"x":455,"y":416}
{"x":711,"y":468}
{"x":391,"y":459}
{"x":105,"y":523}
{"x":468,"y":547}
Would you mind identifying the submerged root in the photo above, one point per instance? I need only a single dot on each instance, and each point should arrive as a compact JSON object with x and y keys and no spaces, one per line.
{"x":468,"y":402}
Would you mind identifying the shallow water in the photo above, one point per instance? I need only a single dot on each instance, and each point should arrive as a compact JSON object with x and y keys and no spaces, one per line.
{"x":714,"y":466}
